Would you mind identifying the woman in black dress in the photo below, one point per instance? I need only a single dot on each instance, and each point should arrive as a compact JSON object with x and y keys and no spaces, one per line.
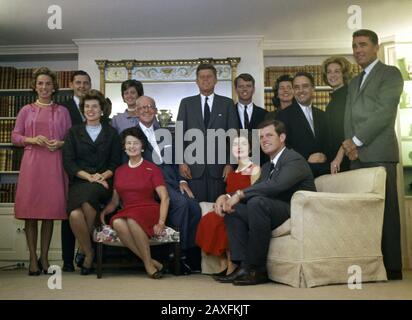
{"x":91,"y":154}
{"x":283,"y":95}
{"x":336,"y":73}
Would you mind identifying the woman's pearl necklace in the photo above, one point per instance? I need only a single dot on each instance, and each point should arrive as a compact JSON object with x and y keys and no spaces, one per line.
{"x":44,"y":104}
{"x":135,"y":165}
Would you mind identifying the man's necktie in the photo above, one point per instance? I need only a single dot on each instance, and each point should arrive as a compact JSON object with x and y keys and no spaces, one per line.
{"x":310,"y":118}
{"x":206,"y":113}
{"x":271,"y":169}
{"x":361,"y":78}
{"x":246,"y":123}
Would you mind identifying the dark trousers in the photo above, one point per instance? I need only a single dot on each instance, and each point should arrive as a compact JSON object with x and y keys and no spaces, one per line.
{"x":68,"y":242}
{"x":184,"y":213}
{"x":391,"y":233}
{"x":207,"y":188}
{"x":250,"y":228}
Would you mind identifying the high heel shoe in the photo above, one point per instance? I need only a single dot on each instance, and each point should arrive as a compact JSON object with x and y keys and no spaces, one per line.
{"x":220,"y":274}
{"x":45,"y":271}
{"x":157,"y":274}
{"x":84,"y":271}
{"x":34,"y":273}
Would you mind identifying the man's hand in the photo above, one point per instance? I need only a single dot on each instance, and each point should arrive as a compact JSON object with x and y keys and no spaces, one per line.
{"x":184,"y":188}
{"x":228,"y":205}
{"x":226,"y":170}
{"x":348,"y":146}
{"x":317,"y":157}
{"x":353,"y":155}
{"x":184,"y":171}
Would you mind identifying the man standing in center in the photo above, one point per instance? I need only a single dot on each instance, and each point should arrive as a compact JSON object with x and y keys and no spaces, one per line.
{"x":204,"y":111}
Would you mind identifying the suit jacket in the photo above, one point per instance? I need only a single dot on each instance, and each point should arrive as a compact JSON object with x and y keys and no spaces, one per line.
{"x":170,"y":170}
{"x":371,"y":113}
{"x":223,"y":116}
{"x":74,"y":112}
{"x":258,"y":115}
{"x":81,"y":153}
{"x":291,"y":173}
{"x":299,"y":135}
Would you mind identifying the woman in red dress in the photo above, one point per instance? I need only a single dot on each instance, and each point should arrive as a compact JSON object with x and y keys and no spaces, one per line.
{"x":211,"y":234}
{"x":135,"y":184}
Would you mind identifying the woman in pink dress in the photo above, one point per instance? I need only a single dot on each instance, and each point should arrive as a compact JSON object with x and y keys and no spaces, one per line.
{"x":42,"y":184}
{"x":211,"y":234}
{"x":135,"y":184}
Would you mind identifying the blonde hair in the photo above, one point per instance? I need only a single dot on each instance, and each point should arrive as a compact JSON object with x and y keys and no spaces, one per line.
{"x":344,"y":64}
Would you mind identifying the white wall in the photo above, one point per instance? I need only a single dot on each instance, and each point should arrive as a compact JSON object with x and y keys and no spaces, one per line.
{"x":249,"y":49}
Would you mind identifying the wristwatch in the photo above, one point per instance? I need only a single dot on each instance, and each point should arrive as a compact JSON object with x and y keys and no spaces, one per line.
{"x":239,"y":193}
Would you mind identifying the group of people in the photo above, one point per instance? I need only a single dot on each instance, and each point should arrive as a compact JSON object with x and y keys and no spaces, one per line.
{"x":78,"y":163}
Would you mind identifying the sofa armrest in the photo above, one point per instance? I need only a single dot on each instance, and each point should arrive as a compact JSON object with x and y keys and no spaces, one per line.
{"x":334,"y":222}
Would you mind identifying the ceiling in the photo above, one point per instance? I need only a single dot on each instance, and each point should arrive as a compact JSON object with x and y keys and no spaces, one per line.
{"x":24,"y":22}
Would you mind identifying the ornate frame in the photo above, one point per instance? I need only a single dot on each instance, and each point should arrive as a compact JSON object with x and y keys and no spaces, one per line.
{"x":163,"y":71}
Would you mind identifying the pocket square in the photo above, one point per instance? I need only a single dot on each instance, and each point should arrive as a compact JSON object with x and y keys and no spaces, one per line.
{"x":219,"y":115}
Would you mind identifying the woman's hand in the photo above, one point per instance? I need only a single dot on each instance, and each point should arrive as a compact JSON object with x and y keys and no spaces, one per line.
{"x":37,"y":140}
{"x":54,"y":144}
{"x":159,"y":228}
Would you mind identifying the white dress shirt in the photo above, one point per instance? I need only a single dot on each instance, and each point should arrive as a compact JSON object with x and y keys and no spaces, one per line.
{"x":241,"y":110}
{"x":209,"y":102}
{"x":307,"y":111}
{"x":151,"y":137}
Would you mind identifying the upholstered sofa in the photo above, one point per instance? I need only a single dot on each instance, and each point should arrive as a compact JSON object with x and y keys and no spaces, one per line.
{"x":328,"y":232}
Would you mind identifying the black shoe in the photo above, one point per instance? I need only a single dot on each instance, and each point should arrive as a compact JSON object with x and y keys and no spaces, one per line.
{"x":45,"y":271}
{"x":86,"y":271}
{"x":219,"y":274}
{"x":253,"y":277}
{"x":34,"y":273}
{"x":231,"y":277}
{"x":394,"y":275}
{"x":67,"y":267}
{"x":79,"y":258}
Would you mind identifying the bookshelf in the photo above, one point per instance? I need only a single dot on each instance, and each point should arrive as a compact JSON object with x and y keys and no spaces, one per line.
{"x":322,"y":90}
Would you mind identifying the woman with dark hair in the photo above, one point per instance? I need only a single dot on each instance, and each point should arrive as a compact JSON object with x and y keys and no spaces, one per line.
{"x":131,"y":90}
{"x":40,"y":128}
{"x":283,"y":95}
{"x":135,"y":184}
{"x":91,"y":154}
{"x":336,"y":72}
{"x":211,"y":234}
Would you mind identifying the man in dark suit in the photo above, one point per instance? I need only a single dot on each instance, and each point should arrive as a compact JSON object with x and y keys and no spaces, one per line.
{"x":80,"y":84}
{"x":206,"y":112}
{"x":184,"y":210}
{"x":252,"y":213}
{"x":249,"y":114}
{"x":306,"y":125}
{"x":370,"y":115}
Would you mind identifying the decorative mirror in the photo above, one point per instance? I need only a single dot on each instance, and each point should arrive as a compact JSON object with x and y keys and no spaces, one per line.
{"x":167,"y":81}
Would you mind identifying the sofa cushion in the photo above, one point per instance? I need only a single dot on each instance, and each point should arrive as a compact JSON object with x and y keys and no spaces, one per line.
{"x":282,"y":230}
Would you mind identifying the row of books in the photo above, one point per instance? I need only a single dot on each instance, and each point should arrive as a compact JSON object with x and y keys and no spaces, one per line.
{"x":10,"y":159}
{"x":6,"y":128}
{"x":320,"y":99}
{"x":272,"y":73}
{"x":7,"y":192}
{"x":11,"y":105}
{"x":12,"y":78}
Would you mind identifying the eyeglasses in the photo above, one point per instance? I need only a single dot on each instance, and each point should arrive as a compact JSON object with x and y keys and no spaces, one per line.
{"x":149,"y":106}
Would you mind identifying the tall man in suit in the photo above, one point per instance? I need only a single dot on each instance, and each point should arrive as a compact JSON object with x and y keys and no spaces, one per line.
{"x":371,"y":108}
{"x":306,"y":125}
{"x":207,"y":111}
{"x":184,"y":210}
{"x":252,"y":213}
{"x":80,"y":84}
{"x":249,"y":114}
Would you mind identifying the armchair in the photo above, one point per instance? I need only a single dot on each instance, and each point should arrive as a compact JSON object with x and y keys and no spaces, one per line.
{"x":328,"y":231}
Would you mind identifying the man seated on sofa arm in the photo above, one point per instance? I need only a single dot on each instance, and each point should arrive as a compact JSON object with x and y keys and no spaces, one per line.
{"x":252,"y":213}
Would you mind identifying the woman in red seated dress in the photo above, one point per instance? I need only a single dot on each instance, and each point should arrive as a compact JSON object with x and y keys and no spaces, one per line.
{"x":135,"y":184}
{"x":211,"y":234}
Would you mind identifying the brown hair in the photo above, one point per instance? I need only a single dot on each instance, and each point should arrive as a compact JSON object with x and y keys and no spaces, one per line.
{"x":96,"y":95}
{"x":206,"y":66}
{"x":44,"y":71}
{"x":244,"y":77}
{"x":344,"y":64}
{"x":279,"y":126}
